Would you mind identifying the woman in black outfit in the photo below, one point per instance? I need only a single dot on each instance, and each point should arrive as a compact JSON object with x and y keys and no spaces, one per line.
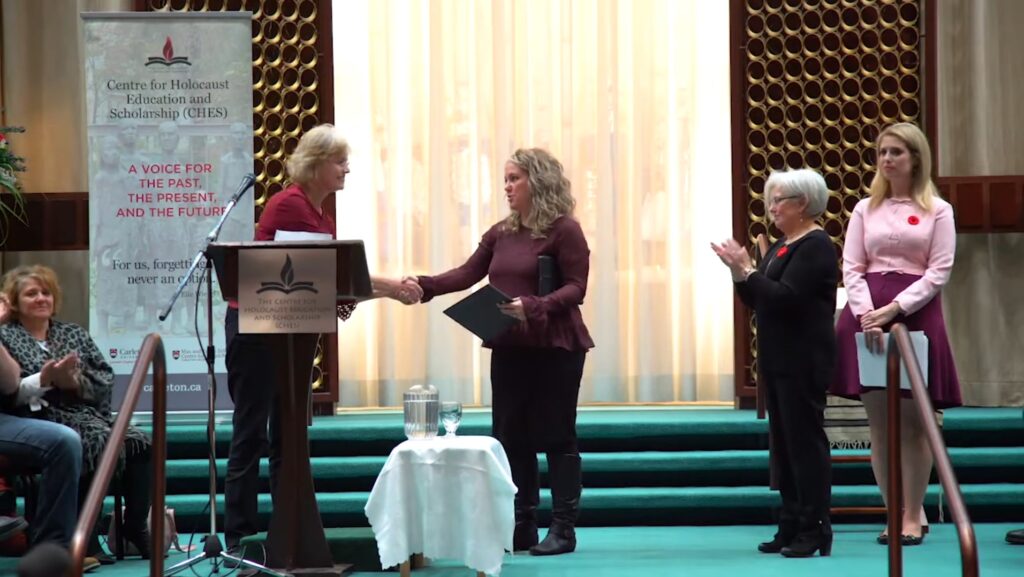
{"x":793,"y":295}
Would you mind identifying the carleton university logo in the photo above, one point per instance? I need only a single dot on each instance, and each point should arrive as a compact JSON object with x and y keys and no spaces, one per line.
{"x":168,"y":58}
{"x":113,"y":353}
{"x":176,"y":354}
{"x":288,"y":284}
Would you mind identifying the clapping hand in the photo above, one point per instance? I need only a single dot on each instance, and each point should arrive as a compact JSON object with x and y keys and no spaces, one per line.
{"x":62,"y":374}
{"x":733,"y":256}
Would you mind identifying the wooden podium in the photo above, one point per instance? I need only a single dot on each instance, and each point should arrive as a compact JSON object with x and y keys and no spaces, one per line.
{"x":295,"y":541}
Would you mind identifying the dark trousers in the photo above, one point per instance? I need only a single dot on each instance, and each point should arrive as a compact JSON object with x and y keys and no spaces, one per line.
{"x":534,"y":395}
{"x":534,"y":392}
{"x":800,"y":454}
{"x":253,"y":390}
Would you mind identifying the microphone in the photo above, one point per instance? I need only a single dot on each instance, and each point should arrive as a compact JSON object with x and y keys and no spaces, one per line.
{"x":45,"y":560}
{"x":247,"y":182}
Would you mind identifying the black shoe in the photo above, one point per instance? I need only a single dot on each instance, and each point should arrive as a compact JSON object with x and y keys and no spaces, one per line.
{"x":103,"y":558}
{"x":525,"y":536}
{"x":525,"y":477}
{"x":566,"y":486}
{"x":882,"y":539}
{"x":560,"y":539}
{"x":11,"y":526}
{"x":808,"y":543}
{"x":911,"y":540}
{"x":777,"y":543}
{"x":1015,"y":537}
{"x":140,"y":539}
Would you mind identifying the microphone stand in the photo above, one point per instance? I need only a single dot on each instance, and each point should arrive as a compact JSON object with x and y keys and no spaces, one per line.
{"x":212,"y":549}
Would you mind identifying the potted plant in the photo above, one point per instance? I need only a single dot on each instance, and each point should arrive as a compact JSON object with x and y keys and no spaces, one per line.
{"x":12,"y":201}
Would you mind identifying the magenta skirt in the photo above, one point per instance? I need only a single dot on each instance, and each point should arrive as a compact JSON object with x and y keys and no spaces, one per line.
{"x":943,"y":384}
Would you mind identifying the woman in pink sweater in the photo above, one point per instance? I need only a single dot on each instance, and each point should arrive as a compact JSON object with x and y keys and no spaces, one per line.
{"x":897,"y":256}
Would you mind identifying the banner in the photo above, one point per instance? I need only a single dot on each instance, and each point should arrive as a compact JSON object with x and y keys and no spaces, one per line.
{"x":170,"y":136}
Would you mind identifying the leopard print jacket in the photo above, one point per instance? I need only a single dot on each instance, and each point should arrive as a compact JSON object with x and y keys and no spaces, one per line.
{"x":88,"y":412}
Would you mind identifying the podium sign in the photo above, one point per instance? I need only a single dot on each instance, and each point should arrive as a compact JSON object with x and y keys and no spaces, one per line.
{"x":287,"y":290}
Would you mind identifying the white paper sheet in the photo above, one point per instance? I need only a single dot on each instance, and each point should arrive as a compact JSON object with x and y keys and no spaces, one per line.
{"x":873,"y":366}
{"x":298,"y":235}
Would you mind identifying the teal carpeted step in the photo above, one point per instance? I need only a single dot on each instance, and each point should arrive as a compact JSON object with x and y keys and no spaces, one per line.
{"x":600,"y":430}
{"x":647,"y":505}
{"x":634,"y":469}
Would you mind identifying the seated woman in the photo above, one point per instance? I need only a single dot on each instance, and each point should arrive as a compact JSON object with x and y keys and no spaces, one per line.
{"x":80,"y":398}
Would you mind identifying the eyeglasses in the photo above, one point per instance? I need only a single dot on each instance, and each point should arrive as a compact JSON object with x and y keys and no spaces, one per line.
{"x":772,"y":201}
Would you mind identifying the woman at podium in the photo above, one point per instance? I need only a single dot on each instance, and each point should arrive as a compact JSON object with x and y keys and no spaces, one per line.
{"x":317,"y":168}
{"x":536,"y":365}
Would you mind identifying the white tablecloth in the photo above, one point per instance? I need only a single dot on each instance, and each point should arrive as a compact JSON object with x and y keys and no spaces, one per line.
{"x":448,"y":498}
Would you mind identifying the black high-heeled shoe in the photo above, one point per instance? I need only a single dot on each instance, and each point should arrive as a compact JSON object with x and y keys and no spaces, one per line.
{"x":140,"y":539}
{"x":808,"y":543}
{"x":911,"y":540}
{"x":781,"y":539}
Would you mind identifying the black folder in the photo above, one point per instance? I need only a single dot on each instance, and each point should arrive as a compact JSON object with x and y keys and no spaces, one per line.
{"x":549,"y":276}
{"x":480,"y":315}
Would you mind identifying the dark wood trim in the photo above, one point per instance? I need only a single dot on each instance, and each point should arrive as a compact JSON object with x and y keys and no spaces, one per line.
{"x":324,"y":402}
{"x":985,"y":204}
{"x":931,"y":81}
{"x":54,"y":221}
{"x":745,"y":393}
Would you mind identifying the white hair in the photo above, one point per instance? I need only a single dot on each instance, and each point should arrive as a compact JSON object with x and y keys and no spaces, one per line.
{"x":801,"y":183}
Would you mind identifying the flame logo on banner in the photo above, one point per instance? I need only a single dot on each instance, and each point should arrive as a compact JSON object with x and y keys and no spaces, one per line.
{"x":168,"y":58}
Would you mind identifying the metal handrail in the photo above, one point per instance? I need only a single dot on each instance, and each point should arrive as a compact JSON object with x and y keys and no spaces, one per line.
{"x":151,"y":353}
{"x":901,"y":347}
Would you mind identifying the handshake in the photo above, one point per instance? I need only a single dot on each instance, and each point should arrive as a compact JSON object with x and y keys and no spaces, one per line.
{"x":406,"y":291}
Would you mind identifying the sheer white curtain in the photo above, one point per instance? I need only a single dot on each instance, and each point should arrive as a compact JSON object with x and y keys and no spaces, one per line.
{"x":633,"y":97}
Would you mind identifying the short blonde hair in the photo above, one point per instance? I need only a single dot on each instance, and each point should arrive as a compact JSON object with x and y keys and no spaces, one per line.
{"x":314,"y":148}
{"x":922,"y":189}
{"x":16,"y":279}
{"x":550,"y":190}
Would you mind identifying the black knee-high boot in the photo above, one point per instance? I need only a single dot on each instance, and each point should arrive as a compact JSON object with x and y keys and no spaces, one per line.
{"x":566,"y":485}
{"x":525,"y":476}
{"x":789,"y":527}
{"x":815,"y":535}
{"x":136,"y":485}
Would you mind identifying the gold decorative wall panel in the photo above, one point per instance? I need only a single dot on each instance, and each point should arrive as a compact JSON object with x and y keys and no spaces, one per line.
{"x":819,"y":79}
{"x":290,"y":54}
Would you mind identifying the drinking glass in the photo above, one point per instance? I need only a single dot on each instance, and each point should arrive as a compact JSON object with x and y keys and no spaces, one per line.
{"x":451,"y":416}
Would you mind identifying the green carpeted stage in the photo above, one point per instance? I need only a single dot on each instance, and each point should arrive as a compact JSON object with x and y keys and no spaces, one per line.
{"x":670,"y":467}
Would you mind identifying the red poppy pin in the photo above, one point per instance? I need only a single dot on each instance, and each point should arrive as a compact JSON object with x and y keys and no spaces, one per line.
{"x":782,"y":252}
{"x":913,"y":220}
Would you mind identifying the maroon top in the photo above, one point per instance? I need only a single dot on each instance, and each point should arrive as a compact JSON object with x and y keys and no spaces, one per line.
{"x":509,"y":259}
{"x":291,"y":210}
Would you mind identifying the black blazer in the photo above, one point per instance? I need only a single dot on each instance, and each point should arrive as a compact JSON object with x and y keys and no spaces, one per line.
{"x":793,"y":296}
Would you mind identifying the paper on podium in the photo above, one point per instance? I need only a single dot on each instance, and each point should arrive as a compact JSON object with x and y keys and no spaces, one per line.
{"x":480,"y":315}
{"x":301,"y":235}
{"x":873,"y":367}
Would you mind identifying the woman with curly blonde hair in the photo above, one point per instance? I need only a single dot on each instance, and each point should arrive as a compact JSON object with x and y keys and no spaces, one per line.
{"x":536,"y":365}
